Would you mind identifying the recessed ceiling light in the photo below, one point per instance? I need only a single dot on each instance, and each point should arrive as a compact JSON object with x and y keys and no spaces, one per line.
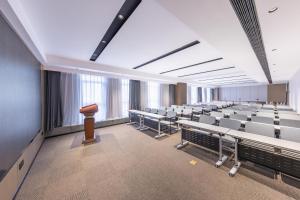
{"x":273,"y":10}
{"x":120,"y":16}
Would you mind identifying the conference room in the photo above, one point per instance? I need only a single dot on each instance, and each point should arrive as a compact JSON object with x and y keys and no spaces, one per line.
{"x":149,"y":99}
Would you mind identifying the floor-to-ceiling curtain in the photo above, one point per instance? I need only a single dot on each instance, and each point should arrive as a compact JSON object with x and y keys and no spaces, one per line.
{"x":164,"y":95}
{"x":199,"y":94}
{"x":114,"y":98}
{"x":53,"y":101}
{"x":188,"y":96}
{"x":70,"y":95}
{"x":135,"y":94}
{"x":144,"y":95}
{"x":172,"y":95}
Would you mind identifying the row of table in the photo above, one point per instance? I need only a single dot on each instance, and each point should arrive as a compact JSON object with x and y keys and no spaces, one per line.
{"x":237,"y":135}
{"x":142,"y":115}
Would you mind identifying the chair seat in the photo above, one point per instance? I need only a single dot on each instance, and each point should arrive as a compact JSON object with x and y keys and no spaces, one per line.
{"x":166,"y":122}
{"x":184,"y":118}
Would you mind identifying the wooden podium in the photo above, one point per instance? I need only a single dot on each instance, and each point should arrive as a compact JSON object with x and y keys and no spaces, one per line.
{"x":89,"y":122}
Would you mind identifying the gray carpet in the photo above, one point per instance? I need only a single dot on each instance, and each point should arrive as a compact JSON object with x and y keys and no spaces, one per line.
{"x":128,"y":164}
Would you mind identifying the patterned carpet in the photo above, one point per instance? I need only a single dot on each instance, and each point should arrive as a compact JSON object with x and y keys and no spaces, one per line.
{"x":128,"y":164}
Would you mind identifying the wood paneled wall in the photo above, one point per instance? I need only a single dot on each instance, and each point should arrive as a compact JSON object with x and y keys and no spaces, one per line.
{"x":181,"y":94}
{"x":277,"y":93}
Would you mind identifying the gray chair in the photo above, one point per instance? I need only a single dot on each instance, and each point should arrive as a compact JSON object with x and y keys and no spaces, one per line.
{"x":290,"y":122}
{"x":216,"y":114}
{"x":260,"y":119}
{"x":154,"y":110}
{"x":260,"y":129}
{"x":290,"y":133}
{"x":162,"y":112}
{"x":239,"y":117}
{"x":207,"y":119}
{"x":230,"y":123}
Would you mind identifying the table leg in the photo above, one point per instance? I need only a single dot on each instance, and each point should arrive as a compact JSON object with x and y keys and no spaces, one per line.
{"x":237,"y":164}
{"x":159,"y":135}
{"x":130,"y":122}
{"x":182,"y":143}
{"x":222,"y":158}
{"x":143,"y":127}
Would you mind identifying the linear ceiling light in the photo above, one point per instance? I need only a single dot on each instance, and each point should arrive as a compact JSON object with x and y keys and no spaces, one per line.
{"x":201,"y":63}
{"x":221,"y":78}
{"x":124,"y":13}
{"x":169,"y":53}
{"x":214,"y":70}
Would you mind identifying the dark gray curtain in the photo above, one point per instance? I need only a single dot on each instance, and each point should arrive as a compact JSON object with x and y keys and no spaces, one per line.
{"x":53,"y":102}
{"x":134,"y":94}
{"x":199,"y":94}
{"x":212,"y":94}
{"x":172,"y":93}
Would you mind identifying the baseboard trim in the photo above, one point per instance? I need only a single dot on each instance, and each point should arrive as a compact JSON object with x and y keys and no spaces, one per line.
{"x":77,"y":128}
{"x":14,"y":178}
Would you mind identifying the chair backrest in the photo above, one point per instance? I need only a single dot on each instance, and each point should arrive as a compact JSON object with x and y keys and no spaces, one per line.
{"x":260,"y":129}
{"x":154,"y":110}
{"x":179,"y":110}
{"x":230,"y":123}
{"x":171,"y":114}
{"x":239,"y":117}
{"x":290,"y":122}
{"x":216,"y":114}
{"x":207,"y":119}
{"x":290,"y":133}
{"x":227,"y":111}
{"x":162,"y":112}
{"x":187,"y":111}
{"x":260,"y":119}
{"x":147,"y":109}
{"x":173,"y":106}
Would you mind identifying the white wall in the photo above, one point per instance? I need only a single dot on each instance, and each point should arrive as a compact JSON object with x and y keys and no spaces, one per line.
{"x":244,"y":93}
{"x":294,"y":92}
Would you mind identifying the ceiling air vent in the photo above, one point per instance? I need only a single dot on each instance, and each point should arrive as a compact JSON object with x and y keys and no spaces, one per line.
{"x":246,"y":12}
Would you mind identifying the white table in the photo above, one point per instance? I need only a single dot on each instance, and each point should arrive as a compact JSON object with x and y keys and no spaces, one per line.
{"x":289,"y":116}
{"x":221,"y":131}
{"x":142,"y":126}
{"x":239,"y":135}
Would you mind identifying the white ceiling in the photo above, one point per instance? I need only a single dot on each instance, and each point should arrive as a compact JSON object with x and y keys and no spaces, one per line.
{"x":66,"y":33}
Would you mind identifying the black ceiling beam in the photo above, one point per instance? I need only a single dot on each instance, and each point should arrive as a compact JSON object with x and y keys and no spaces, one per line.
{"x":221,"y":78}
{"x":124,"y":13}
{"x":214,"y":70}
{"x":247,"y":15}
{"x":201,"y":63}
{"x":169,"y":53}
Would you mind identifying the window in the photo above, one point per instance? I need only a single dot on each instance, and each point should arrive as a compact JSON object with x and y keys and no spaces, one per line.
{"x":153,"y":95}
{"x":125,"y":97}
{"x":93,"y":90}
{"x":194,"y":94}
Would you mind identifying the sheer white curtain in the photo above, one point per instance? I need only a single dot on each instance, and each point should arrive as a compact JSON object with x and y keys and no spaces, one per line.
{"x":93,"y":90}
{"x":194,"y":94}
{"x":188,"y":95}
{"x":125,"y":97}
{"x":77,"y":90}
{"x":70,"y":95}
{"x":153,"y":94}
{"x":114,"y":98}
{"x":164,"y":95}
{"x":144,"y":95}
